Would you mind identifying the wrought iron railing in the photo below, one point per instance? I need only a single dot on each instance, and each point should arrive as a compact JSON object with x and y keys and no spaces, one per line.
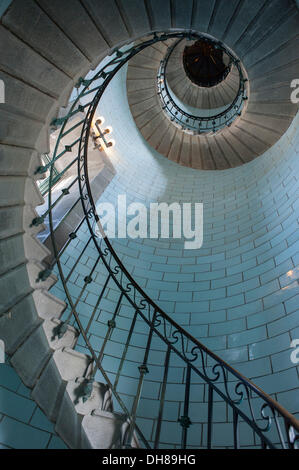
{"x":201,"y":122}
{"x":269,"y":422}
{"x":44,"y":184}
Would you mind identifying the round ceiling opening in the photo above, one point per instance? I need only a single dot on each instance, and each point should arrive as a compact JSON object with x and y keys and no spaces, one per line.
{"x":205,"y":64}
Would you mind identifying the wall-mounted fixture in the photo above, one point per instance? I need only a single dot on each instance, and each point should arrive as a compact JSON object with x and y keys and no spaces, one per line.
{"x":99,"y":136}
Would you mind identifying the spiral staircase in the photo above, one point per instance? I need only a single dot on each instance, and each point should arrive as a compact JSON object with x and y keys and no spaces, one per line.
{"x":47,"y":49}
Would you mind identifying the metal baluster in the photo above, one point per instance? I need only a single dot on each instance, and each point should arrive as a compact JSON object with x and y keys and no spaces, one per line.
{"x":62,"y":327}
{"x":125,"y":349}
{"x":142,"y":370}
{"x":236,"y":429}
{"x":43,"y":275}
{"x":63,"y":120}
{"x":282,"y":441}
{"x":185,"y":420}
{"x":111,"y":326}
{"x":162,"y":399}
{"x":78,"y":259}
{"x":72,"y":128}
{"x":68,"y":148}
{"x":68,"y":213}
{"x":64,"y":192}
{"x":87,"y":388}
{"x":263,"y":444}
{"x":210,"y":417}
{"x":97,"y":304}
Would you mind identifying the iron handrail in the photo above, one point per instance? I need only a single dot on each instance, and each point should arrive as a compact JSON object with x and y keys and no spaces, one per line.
{"x":174,"y":336}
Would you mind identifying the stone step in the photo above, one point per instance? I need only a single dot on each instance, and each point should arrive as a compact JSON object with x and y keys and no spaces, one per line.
{"x":69,"y":425}
{"x":49,"y":390}
{"x":100,"y":397}
{"x":60,"y":335}
{"x":72,"y":364}
{"x":18,"y":323}
{"x":31,"y":357}
{"x":47,"y":305}
{"x":106,"y":430}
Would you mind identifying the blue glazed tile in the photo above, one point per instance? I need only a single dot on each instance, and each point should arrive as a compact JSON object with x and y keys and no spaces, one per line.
{"x":289,"y":322}
{"x":276,"y":271}
{"x":162,"y":285}
{"x":290,"y":400}
{"x":269,"y":346}
{"x":262,"y":291}
{"x":289,"y":277}
{"x":210,"y":276}
{"x":8,"y":377}
{"x":247,"y":337}
{"x":56,"y":443}
{"x":279,"y":382}
{"x":244,"y":310}
{"x":226,"y":281}
{"x":15,"y":405}
{"x":209,"y":295}
{"x":287,"y":253}
{"x":255,"y":368}
{"x":209,"y":317}
{"x":243,"y":286}
{"x":292,"y":305}
{"x":282,"y":295}
{"x":227,"y":327}
{"x":242,"y":267}
{"x":194,"y":286}
{"x":282,"y":360}
{"x":273,"y":253}
{"x":266,"y":316}
{"x":39,"y":420}
{"x":165,"y":268}
{"x":192,"y":307}
{"x":228,"y":302}
{"x":21,"y":436}
{"x":233,"y":355}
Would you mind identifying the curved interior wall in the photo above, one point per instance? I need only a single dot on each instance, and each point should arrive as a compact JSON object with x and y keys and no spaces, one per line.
{"x":38,"y":68}
{"x":238,"y":294}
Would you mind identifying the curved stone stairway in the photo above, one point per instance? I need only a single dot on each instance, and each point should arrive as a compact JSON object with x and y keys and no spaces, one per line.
{"x":266,"y":115}
{"x":45,"y":48}
{"x":199,"y":97}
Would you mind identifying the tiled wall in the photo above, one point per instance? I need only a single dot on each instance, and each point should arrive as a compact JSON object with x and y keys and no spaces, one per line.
{"x":22,"y":424}
{"x":238,"y":294}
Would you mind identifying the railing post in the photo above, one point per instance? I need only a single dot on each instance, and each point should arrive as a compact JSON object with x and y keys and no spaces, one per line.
{"x":185,"y":420}
{"x":210,"y":417}
{"x":236,"y":429}
{"x":162,"y":399}
{"x":143,"y":370}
